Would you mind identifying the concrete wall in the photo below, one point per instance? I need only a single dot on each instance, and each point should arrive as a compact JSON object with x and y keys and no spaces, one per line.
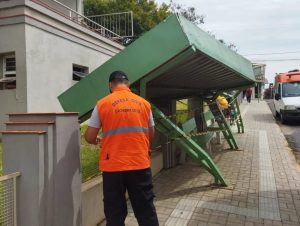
{"x":45,"y":149}
{"x":49,"y":67}
{"x":75,"y":5}
{"x":92,"y":194}
{"x":28,"y":161}
{"x":46,"y":46}
{"x":69,"y":3}
{"x":12,"y":39}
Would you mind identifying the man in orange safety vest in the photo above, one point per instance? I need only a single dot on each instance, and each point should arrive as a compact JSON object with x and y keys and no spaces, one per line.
{"x":127,"y":127}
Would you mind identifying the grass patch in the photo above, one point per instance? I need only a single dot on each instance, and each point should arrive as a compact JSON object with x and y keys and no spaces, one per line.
{"x":181,"y":111}
{"x":0,"y":159}
{"x":89,"y":157}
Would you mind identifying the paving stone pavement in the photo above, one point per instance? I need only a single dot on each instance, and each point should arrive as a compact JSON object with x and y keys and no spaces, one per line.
{"x":263,"y":178}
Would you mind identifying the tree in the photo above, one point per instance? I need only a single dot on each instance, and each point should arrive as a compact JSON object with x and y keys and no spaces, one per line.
{"x":230,"y":45}
{"x":188,"y":12}
{"x":191,"y":14}
{"x":146,"y":13}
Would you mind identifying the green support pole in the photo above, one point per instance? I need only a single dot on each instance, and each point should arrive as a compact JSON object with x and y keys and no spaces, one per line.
{"x":166,"y":126}
{"x":239,"y":118}
{"x":236,"y":108}
{"x":223,"y":125}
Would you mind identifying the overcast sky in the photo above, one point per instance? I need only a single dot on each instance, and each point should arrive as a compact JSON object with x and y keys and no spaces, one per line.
{"x":255,"y":27}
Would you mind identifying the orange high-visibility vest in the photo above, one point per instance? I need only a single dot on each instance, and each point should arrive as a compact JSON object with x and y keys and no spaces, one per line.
{"x":125,"y":125}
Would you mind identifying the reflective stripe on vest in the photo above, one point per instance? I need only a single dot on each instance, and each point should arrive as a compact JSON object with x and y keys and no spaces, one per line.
{"x":127,"y":129}
{"x":125,"y":121}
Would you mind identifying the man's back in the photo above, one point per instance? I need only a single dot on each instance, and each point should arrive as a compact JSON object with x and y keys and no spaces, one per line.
{"x":125,"y":120}
{"x":127,"y":126}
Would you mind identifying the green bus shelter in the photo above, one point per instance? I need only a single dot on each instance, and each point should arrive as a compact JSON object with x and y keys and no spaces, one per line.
{"x":174,"y":60}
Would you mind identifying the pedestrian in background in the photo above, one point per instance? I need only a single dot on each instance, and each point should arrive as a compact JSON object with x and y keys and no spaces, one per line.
{"x":127,"y":126}
{"x":244,"y":94}
{"x":249,"y":94}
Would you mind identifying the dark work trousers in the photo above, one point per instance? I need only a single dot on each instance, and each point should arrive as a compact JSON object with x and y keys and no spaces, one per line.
{"x":249,"y":99}
{"x":138,"y":183}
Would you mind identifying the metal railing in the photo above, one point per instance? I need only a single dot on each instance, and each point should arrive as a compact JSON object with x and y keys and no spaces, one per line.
{"x":119,"y":23}
{"x":78,"y":18}
{"x":8,"y":195}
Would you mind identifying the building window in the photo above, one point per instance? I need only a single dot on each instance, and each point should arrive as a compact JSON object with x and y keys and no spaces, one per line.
{"x":8,"y":80}
{"x":79,"y":72}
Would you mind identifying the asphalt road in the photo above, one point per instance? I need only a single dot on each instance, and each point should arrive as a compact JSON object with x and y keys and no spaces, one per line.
{"x":291,"y":131}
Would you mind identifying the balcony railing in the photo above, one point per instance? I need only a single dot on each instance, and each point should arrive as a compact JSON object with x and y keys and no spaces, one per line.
{"x":78,"y":18}
{"x":119,"y":23}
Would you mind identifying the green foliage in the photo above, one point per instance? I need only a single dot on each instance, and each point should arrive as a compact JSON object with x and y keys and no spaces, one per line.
{"x":89,"y":157}
{"x":146,"y":13}
{"x":0,"y":159}
{"x":188,"y":12}
{"x":181,"y":111}
{"x":230,"y":45}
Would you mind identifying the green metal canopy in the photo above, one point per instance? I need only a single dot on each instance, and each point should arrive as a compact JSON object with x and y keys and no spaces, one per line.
{"x":176,"y":59}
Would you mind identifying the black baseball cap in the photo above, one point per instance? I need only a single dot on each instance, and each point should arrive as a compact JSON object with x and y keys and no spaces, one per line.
{"x":118,"y":76}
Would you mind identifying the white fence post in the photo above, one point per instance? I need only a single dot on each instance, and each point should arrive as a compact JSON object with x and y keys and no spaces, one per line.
{"x":8,"y":199}
{"x":15,"y":201}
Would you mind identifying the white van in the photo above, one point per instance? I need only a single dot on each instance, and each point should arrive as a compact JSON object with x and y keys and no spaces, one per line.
{"x":287,"y":96}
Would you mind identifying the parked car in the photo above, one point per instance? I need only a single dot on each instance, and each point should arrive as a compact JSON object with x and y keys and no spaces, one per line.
{"x":287,"y":96}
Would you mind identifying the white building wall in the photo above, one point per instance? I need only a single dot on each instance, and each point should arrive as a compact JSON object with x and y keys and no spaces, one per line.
{"x":76,"y":5}
{"x":46,"y":44}
{"x":12,"y":39}
{"x":49,"y":67}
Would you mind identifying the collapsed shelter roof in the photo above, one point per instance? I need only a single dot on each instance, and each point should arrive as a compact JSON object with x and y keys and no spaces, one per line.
{"x":176,"y":59}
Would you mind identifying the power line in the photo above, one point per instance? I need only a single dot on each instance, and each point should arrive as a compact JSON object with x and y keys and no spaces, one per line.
{"x":262,"y":60}
{"x":273,"y":53}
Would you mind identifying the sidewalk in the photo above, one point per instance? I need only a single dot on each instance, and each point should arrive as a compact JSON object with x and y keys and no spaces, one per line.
{"x":263,"y":178}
